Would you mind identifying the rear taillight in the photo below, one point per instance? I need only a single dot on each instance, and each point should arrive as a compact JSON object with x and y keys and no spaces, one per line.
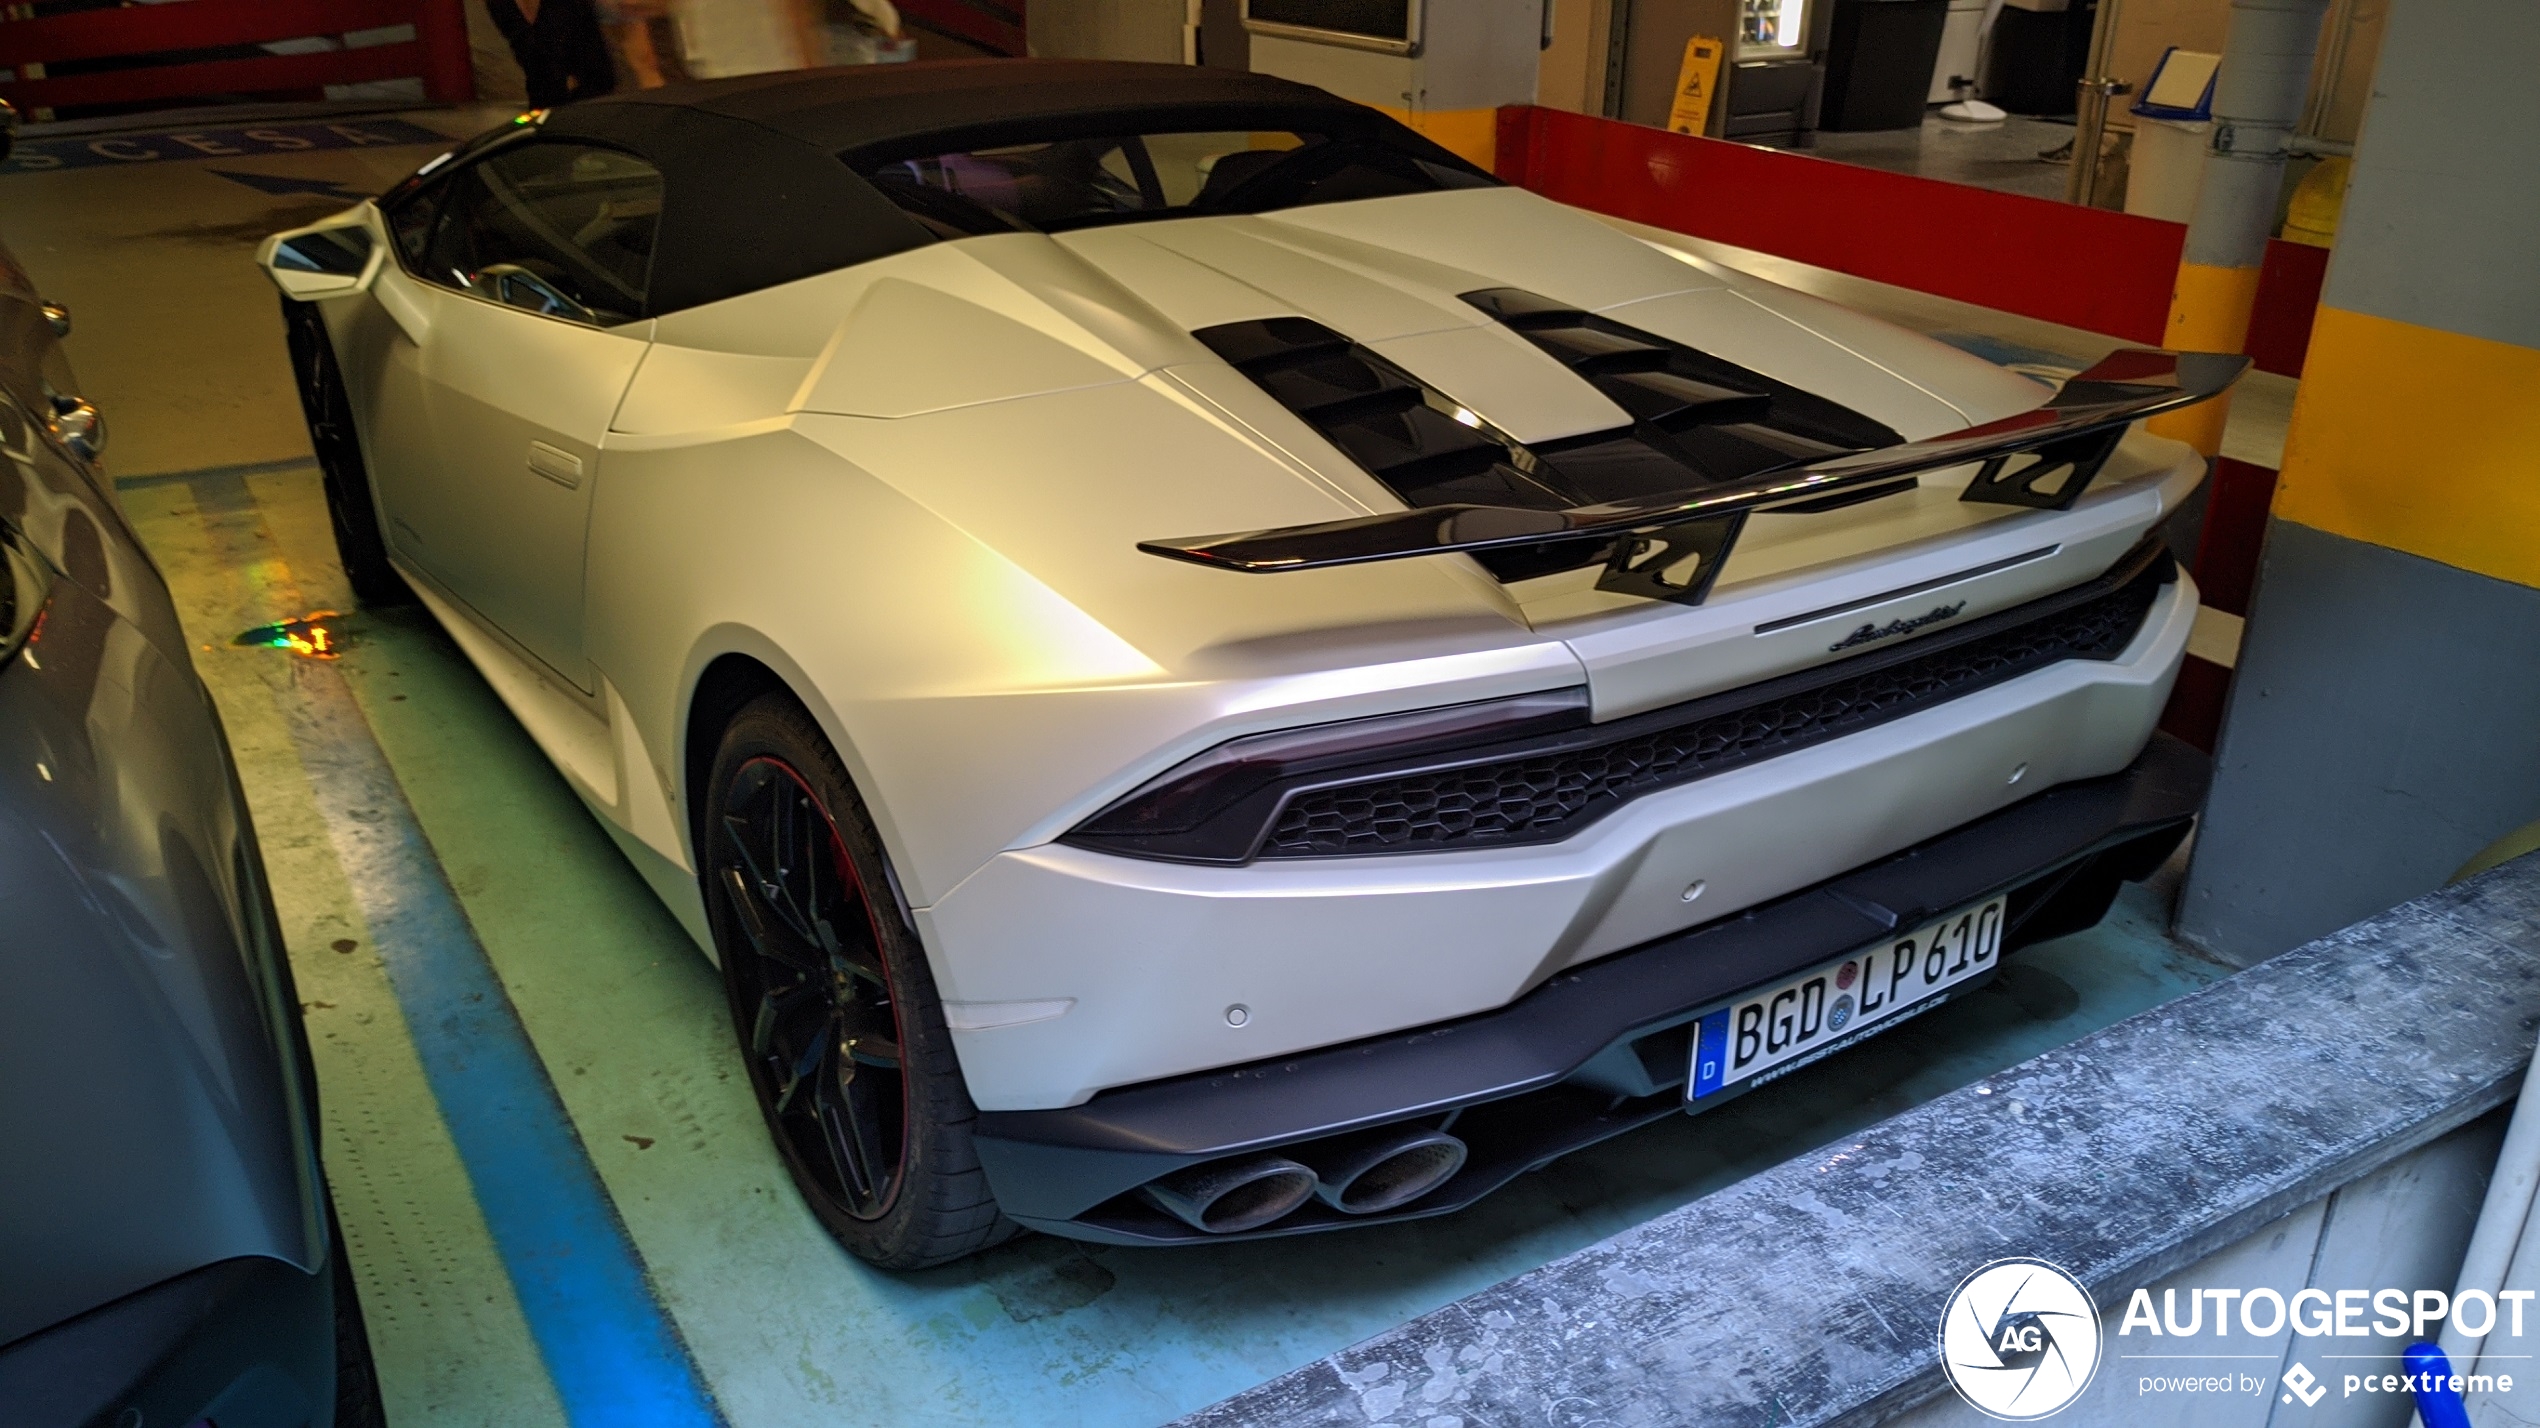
{"x":1214,"y":808}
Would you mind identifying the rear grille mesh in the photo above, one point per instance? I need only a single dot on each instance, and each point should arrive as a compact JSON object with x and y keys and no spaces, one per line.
{"x":1544,"y":797}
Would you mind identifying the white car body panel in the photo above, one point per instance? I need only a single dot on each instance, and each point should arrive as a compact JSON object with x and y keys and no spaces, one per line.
{"x":1004,"y":650}
{"x":483,"y":508}
{"x":912,"y":489}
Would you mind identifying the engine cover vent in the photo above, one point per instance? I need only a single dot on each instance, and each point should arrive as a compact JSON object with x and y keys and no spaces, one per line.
{"x":1696,"y":420}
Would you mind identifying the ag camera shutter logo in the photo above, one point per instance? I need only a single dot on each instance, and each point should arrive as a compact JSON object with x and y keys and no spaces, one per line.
{"x":2019,"y":1340}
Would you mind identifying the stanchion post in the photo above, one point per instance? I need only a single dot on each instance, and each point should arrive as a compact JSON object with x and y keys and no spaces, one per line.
{"x":2090,"y":107}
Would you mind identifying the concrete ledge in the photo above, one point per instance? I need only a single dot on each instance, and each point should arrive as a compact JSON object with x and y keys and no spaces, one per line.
{"x":1812,"y":1293}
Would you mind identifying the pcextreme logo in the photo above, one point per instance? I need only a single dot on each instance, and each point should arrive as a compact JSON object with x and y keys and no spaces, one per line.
{"x":2303,"y":1384}
{"x":2019,"y":1340}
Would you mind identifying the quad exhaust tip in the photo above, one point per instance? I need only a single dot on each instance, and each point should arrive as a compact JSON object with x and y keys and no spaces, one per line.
{"x":1228,"y":1197}
{"x":1386,"y":1169}
{"x":1359,"y":1175}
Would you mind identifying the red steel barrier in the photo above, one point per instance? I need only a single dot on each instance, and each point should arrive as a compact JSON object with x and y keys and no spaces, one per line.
{"x":2235,"y":527}
{"x":2083,"y":267}
{"x":2288,"y":298}
{"x":438,"y":55}
{"x":2226,"y":570}
{"x":994,"y":27}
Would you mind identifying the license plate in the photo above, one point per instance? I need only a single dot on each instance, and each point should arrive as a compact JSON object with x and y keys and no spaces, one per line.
{"x":1799,"y":1020}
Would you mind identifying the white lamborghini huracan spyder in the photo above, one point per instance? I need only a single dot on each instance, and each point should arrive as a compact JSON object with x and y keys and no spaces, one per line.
{"x":1205,"y":668}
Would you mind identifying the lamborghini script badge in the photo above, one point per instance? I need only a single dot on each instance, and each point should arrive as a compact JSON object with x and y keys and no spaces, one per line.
{"x":1870,"y":634}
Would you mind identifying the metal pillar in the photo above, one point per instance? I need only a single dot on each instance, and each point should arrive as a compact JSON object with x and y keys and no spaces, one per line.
{"x":2258,"y":96}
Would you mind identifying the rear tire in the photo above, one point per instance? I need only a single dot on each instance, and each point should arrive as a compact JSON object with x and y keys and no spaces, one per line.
{"x":833,"y":1002}
{"x":328,"y":409}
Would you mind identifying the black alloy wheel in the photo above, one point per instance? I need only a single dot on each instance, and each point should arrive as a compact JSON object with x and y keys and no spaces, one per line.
{"x":832,"y":1001}
{"x":816,"y":1013}
{"x":327,"y":408}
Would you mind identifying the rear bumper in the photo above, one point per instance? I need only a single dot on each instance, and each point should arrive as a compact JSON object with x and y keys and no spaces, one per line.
{"x":1596,"y":1050}
{"x":1067,"y":973}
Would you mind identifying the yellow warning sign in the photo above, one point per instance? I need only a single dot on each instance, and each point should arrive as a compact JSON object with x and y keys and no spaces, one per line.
{"x":1694,"y":84}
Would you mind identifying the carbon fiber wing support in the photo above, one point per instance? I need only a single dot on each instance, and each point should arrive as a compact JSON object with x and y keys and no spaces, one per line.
{"x":1671,"y":547}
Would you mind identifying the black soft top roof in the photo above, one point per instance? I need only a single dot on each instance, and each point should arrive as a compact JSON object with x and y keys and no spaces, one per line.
{"x":758,"y":187}
{"x":865,"y":107}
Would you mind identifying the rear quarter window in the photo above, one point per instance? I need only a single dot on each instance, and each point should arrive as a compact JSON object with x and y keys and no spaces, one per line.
{"x":1050,"y":186}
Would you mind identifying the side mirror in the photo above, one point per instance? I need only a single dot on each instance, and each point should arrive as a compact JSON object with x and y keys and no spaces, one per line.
{"x":80,"y":426}
{"x":515,"y":286}
{"x":321,"y":262}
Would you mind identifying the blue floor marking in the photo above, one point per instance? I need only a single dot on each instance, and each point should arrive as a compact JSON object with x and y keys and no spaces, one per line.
{"x":244,"y":468}
{"x":615,"y":1357}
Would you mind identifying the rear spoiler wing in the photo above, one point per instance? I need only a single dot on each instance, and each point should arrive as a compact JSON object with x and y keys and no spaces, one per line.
{"x":1671,"y":547}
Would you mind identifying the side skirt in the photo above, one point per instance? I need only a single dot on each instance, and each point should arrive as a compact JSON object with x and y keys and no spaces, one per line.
{"x":600,"y":755}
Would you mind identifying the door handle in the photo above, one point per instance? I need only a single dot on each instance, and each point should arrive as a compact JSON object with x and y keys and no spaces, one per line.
{"x":562,"y":467}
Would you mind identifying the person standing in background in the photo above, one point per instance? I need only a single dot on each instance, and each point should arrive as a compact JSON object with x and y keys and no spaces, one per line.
{"x":732,"y":37}
{"x":646,"y":34}
{"x":579,"y":49}
{"x":849,"y":32}
{"x":563,"y":56}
